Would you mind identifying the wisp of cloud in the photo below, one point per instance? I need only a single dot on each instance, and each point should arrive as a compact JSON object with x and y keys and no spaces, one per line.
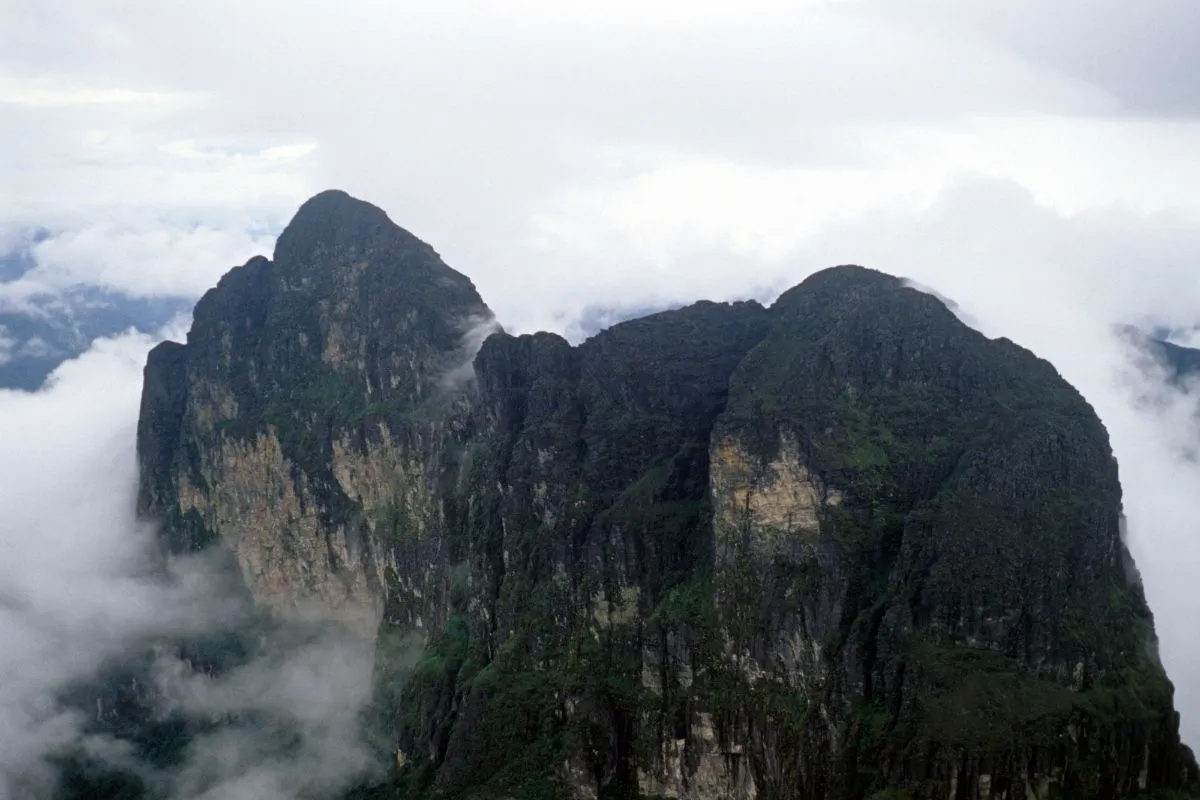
{"x":84,"y":589}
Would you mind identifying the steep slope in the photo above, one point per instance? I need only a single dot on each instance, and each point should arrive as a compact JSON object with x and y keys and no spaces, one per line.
{"x":306,"y":404}
{"x":959,"y":596}
{"x":836,"y":548}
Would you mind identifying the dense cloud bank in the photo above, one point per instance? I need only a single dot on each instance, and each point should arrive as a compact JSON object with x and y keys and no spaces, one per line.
{"x":85,"y":596}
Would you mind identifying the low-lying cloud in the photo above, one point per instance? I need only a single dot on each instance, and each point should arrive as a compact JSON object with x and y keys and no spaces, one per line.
{"x":84,"y":589}
{"x":305,"y":736}
{"x":476,"y":329}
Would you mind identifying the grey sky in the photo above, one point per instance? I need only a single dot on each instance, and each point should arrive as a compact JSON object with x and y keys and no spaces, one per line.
{"x":1141,"y":53}
{"x":1034,"y":161}
{"x":489,"y":132}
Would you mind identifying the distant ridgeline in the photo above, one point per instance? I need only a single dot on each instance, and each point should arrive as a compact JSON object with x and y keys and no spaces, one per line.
{"x":44,"y":329}
{"x":838,"y":547}
{"x":1181,"y":363}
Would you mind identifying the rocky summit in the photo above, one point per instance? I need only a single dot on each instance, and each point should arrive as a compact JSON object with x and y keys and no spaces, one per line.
{"x":839,"y":547}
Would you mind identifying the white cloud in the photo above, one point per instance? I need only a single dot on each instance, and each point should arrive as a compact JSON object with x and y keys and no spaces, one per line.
{"x":319,"y":687}
{"x":7,"y":345}
{"x":148,"y":257}
{"x":68,"y":543}
{"x":77,"y":587}
{"x":568,"y":155}
{"x":1136,"y":53}
{"x":491,"y":111}
{"x":1186,"y":338}
{"x":43,"y":91}
{"x":36,"y":347}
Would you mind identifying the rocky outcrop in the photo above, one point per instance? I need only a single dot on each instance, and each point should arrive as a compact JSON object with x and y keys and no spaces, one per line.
{"x":840,"y":547}
{"x":301,"y":425}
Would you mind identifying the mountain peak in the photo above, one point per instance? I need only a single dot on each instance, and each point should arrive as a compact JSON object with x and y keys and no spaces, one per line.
{"x":337,"y":203}
{"x":846,"y":279}
{"x":335,"y":220}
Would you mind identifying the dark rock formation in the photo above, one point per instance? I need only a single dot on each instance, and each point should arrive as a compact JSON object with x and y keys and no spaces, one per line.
{"x":838,"y":548}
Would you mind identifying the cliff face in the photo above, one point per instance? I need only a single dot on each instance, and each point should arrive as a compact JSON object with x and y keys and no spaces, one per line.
{"x":841,"y":547}
{"x":304,"y":415}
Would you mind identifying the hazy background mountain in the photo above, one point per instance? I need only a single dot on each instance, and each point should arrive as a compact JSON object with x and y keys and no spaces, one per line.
{"x":40,"y":327}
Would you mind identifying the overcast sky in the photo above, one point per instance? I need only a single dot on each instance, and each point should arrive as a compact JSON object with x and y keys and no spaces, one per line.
{"x":1035,"y":161}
